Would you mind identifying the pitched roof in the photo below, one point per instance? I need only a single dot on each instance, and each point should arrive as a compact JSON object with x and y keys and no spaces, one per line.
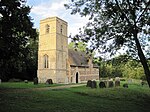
{"x":77,"y":58}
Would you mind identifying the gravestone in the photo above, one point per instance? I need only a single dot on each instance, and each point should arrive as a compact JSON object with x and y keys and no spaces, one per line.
{"x":49,"y":81}
{"x":106,"y":83}
{"x":89,"y":83}
{"x":125,"y":85}
{"x":0,"y":81}
{"x":35,"y":81}
{"x":102,"y":84}
{"x":129,"y":81}
{"x":110,"y":84}
{"x":143,"y":83}
{"x":26,"y":81}
{"x":94,"y":84}
{"x":111,"y":79}
{"x":117,"y":81}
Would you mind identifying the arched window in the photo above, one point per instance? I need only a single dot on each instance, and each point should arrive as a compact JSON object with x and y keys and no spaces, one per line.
{"x":47,"y":27}
{"x":46,"y":61}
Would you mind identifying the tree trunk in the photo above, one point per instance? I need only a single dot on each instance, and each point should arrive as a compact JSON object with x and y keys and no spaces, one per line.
{"x":142,"y":57}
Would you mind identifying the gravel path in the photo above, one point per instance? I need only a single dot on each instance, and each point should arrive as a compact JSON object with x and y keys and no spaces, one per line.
{"x":59,"y":87}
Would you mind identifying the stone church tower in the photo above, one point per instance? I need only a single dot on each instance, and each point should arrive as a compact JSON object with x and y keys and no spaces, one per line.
{"x":53,"y":50}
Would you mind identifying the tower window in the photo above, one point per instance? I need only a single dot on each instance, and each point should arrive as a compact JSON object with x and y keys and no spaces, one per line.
{"x":61,"y":29}
{"x":47,"y":27}
{"x":45,"y":61}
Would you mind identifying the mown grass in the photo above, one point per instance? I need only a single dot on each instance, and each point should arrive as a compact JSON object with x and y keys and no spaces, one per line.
{"x":78,"y":99}
{"x":23,"y":85}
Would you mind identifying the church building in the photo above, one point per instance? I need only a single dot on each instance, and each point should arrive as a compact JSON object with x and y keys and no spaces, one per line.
{"x":56,"y":61}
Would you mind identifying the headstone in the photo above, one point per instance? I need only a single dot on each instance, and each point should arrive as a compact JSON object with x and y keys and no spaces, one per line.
{"x":117,"y":83}
{"x":0,"y":81}
{"x":110,"y":84}
{"x":106,"y":83}
{"x":89,"y":83}
{"x":35,"y":81}
{"x":111,"y":79}
{"x":129,"y":81}
{"x":102,"y":84}
{"x":125,"y":85}
{"x":26,"y":81}
{"x":49,"y":81}
{"x":143,"y":83}
{"x":94,"y":84}
{"x":117,"y":79}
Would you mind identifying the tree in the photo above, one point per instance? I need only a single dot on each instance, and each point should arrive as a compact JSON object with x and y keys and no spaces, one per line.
{"x":30,"y":60}
{"x":16,"y":29}
{"x":78,"y":46}
{"x":116,"y":24}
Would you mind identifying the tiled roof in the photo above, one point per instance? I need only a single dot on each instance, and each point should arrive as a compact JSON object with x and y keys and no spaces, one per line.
{"x":77,"y":58}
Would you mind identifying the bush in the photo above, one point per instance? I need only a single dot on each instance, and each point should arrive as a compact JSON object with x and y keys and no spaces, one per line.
{"x":122,"y":79}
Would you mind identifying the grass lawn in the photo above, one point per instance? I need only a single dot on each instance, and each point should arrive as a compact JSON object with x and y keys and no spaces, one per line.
{"x":23,"y":85}
{"x":78,"y":99}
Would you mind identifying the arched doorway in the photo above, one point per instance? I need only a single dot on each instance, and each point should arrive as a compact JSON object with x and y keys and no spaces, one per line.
{"x":77,"y":77}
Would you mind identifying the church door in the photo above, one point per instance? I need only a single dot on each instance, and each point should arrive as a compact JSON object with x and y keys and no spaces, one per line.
{"x":77,"y":76}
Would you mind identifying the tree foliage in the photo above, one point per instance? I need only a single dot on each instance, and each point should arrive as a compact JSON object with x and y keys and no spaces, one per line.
{"x":15,"y":33}
{"x":113,"y":21}
{"x":80,"y":46}
{"x":121,"y":66}
{"x":114,"y":25}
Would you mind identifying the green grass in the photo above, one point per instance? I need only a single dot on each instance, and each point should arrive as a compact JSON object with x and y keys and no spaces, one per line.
{"x":78,"y":99}
{"x":23,"y":85}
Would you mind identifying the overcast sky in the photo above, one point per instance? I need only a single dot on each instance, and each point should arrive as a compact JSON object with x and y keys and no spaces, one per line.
{"x":42,"y":9}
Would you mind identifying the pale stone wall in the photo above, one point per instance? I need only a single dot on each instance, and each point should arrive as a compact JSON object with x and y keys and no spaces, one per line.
{"x":51,"y":61}
{"x":54,"y":43}
{"x":45,"y":74}
{"x":85,"y":74}
{"x":61,"y":76}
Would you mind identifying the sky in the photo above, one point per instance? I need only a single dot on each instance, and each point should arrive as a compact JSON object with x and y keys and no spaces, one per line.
{"x":42,"y":9}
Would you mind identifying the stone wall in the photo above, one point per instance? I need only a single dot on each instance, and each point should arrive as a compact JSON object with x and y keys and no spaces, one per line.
{"x":85,"y":74}
{"x":53,"y":43}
